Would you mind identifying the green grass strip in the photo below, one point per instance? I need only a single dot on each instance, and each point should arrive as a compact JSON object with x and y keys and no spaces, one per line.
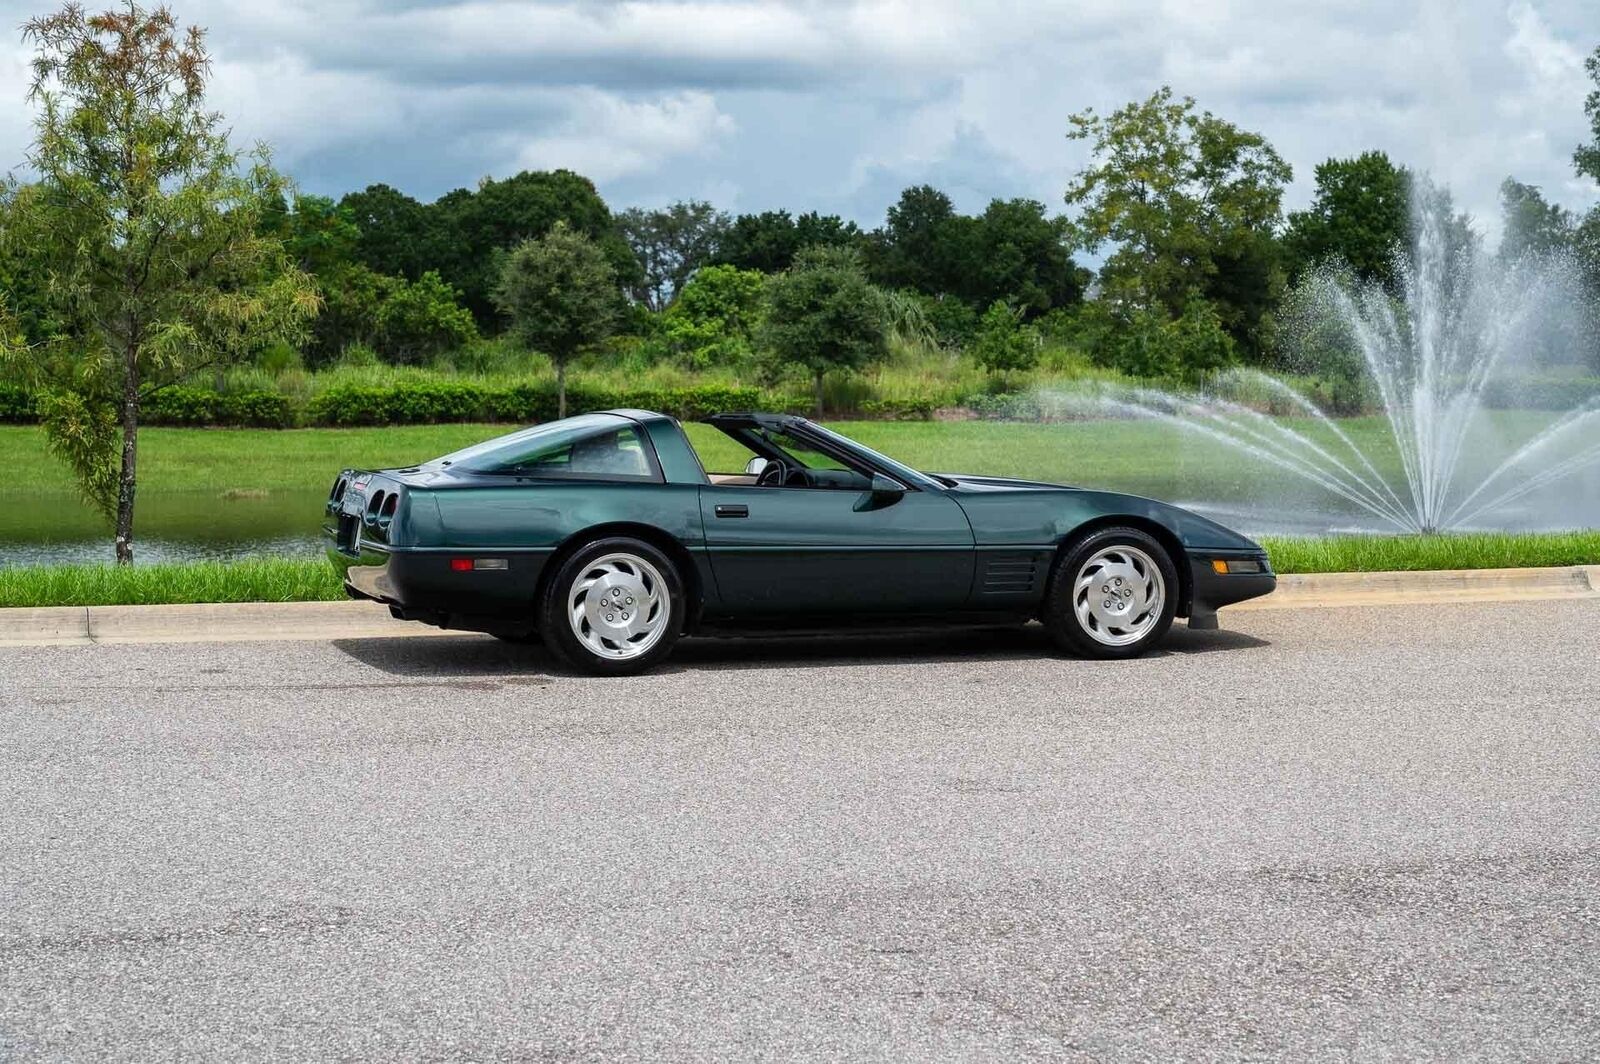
{"x":1462,"y":550}
{"x":256,"y":580}
{"x":313,"y":580}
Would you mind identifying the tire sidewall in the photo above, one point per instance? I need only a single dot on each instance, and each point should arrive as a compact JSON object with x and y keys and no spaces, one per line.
{"x":557,"y":630}
{"x":1062,"y":620}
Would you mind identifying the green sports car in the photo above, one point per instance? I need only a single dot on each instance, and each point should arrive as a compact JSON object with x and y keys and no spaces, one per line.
{"x":605,"y":536}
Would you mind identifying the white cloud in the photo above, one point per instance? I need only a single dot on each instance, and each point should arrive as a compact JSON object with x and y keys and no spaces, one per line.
{"x":826,"y":103}
{"x":606,"y":136}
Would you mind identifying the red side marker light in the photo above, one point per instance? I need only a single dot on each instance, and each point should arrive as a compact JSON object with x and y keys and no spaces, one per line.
{"x":461,"y":565}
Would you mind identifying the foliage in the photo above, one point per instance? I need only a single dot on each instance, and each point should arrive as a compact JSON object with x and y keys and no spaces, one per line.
{"x":715,"y":317}
{"x":318,"y":235}
{"x":822,"y":315}
{"x":670,"y":244}
{"x":474,"y":226}
{"x":769,"y":241}
{"x":420,"y":320}
{"x":560,"y":294}
{"x":1024,"y":257}
{"x":395,"y":235}
{"x":1586,"y":159}
{"x":1004,"y":343}
{"x":1360,"y":216}
{"x":1199,"y":342}
{"x":1189,"y":203}
{"x":1532,"y":224}
{"x":150,"y":234}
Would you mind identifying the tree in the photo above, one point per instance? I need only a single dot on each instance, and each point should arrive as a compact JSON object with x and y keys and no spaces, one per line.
{"x":1025,"y":257}
{"x":1533,"y":225}
{"x":1184,"y":197}
{"x":1586,"y":159}
{"x":1004,"y":343}
{"x":714,"y":317}
{"x":474,"y":226}
{"x":770,"y":241}
{"x":1360,"y":215}
{"x":924,"y":245}
{"x":560,"y":293}
{"x":396,"y":235}
{"x":823,"y":314}
{"x":670,"y":244}
{"x":319,"y":235}
{"x":149,"y":230}
{"x":420,"y":320}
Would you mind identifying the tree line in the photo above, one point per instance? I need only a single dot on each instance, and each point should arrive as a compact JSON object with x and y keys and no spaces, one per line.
{"x":146,"y":248}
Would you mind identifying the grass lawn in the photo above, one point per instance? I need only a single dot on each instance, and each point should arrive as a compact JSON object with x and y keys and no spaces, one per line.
{"x":306,"y":460}
{"x":293,"y":580}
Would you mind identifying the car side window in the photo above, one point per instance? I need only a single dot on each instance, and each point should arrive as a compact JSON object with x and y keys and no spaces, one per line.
{"x":608,"y":454}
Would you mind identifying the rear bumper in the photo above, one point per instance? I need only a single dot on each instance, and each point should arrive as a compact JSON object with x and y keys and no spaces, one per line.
{"x":1211,"y":590}
{"x":421,"y":585}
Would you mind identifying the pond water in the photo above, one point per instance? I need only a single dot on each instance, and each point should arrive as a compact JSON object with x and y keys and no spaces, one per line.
{"x":57,"y":529}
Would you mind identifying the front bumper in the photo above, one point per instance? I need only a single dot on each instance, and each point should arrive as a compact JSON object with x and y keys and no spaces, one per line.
{"x":1211,"y":590}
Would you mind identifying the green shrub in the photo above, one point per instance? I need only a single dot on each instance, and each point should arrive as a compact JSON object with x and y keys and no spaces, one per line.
{"x":16,"y":406}
{"x":899,"y":409}
{"x":254,"y":409}
{"x":1541,"y":393}
{"x":179,"y":405}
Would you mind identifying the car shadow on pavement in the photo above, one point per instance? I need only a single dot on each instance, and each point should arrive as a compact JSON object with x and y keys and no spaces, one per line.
{"x":482,"y":656}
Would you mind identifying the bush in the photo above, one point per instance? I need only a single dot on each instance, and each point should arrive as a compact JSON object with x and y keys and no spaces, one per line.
{"x":254,"y":409}
{"x":1541,"y":393}
{"x":899,"y":409}
{"x":179,"y":405}
{"x":16,"y":406}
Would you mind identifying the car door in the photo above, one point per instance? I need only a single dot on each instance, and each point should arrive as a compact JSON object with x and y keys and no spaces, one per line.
{"x":814,"y":550}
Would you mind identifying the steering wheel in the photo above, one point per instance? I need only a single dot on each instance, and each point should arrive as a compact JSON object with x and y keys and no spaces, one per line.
{"x":774,"y":475}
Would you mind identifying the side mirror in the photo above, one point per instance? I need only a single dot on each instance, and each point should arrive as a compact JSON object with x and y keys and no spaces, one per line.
{"x":885,"y":491}
{"x":755,"y":467}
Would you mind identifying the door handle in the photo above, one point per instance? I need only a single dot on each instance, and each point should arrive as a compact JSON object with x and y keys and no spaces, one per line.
{"x":732,"y":510}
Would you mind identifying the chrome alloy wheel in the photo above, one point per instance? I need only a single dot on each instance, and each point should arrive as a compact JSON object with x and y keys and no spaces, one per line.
{"x":619,"y":606}
{"x":1119,"y":595}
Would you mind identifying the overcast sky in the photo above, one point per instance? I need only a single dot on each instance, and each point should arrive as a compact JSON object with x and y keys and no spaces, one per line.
{"x":837,"y":105}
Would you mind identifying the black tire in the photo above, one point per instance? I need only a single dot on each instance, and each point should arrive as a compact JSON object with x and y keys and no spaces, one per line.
{"x":1060,"y":614}
{"x":557,"y":629}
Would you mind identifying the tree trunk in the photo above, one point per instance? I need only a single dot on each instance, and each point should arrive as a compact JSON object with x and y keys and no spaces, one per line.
{"x":130,"y":455}
{"x":561,"y":388}
{"x":819,"y":394}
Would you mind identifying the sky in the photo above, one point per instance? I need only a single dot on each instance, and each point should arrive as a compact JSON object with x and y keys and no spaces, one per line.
{"x":837,"y":105}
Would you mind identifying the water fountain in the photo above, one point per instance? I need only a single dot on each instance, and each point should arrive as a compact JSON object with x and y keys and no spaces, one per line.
{"x":1461,"y":323}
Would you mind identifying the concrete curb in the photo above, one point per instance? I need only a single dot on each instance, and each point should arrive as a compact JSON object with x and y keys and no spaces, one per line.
{"x":255,"y":621}
{"x":203,"y":623}
{"x":1328,"y":590}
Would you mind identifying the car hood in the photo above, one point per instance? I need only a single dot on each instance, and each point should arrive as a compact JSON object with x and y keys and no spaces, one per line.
{"x":973,"y":482}
{"x":1191,"y":529}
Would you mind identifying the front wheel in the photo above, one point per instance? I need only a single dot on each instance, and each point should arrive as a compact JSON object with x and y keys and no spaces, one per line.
{"x":1112,"y":595}
{"x":613,"y":608}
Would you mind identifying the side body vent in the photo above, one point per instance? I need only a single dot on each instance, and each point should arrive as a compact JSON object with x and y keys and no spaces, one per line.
{"x":1009,"y":574}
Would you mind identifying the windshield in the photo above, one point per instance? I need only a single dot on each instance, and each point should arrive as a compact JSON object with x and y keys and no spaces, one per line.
{"x":899,"y":469}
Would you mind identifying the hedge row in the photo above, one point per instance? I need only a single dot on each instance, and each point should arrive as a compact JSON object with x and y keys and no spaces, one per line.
{"x":436,"y":402}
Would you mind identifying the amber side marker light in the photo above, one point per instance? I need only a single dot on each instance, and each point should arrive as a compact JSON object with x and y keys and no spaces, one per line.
{"x":1226,"y":566}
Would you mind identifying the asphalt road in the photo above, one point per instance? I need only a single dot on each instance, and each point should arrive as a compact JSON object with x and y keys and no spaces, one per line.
{"x":1369,"y":834}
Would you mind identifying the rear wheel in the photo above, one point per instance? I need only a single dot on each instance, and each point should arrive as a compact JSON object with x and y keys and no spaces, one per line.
{"x":1112,"y":595}
{"x":614,"y":607}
